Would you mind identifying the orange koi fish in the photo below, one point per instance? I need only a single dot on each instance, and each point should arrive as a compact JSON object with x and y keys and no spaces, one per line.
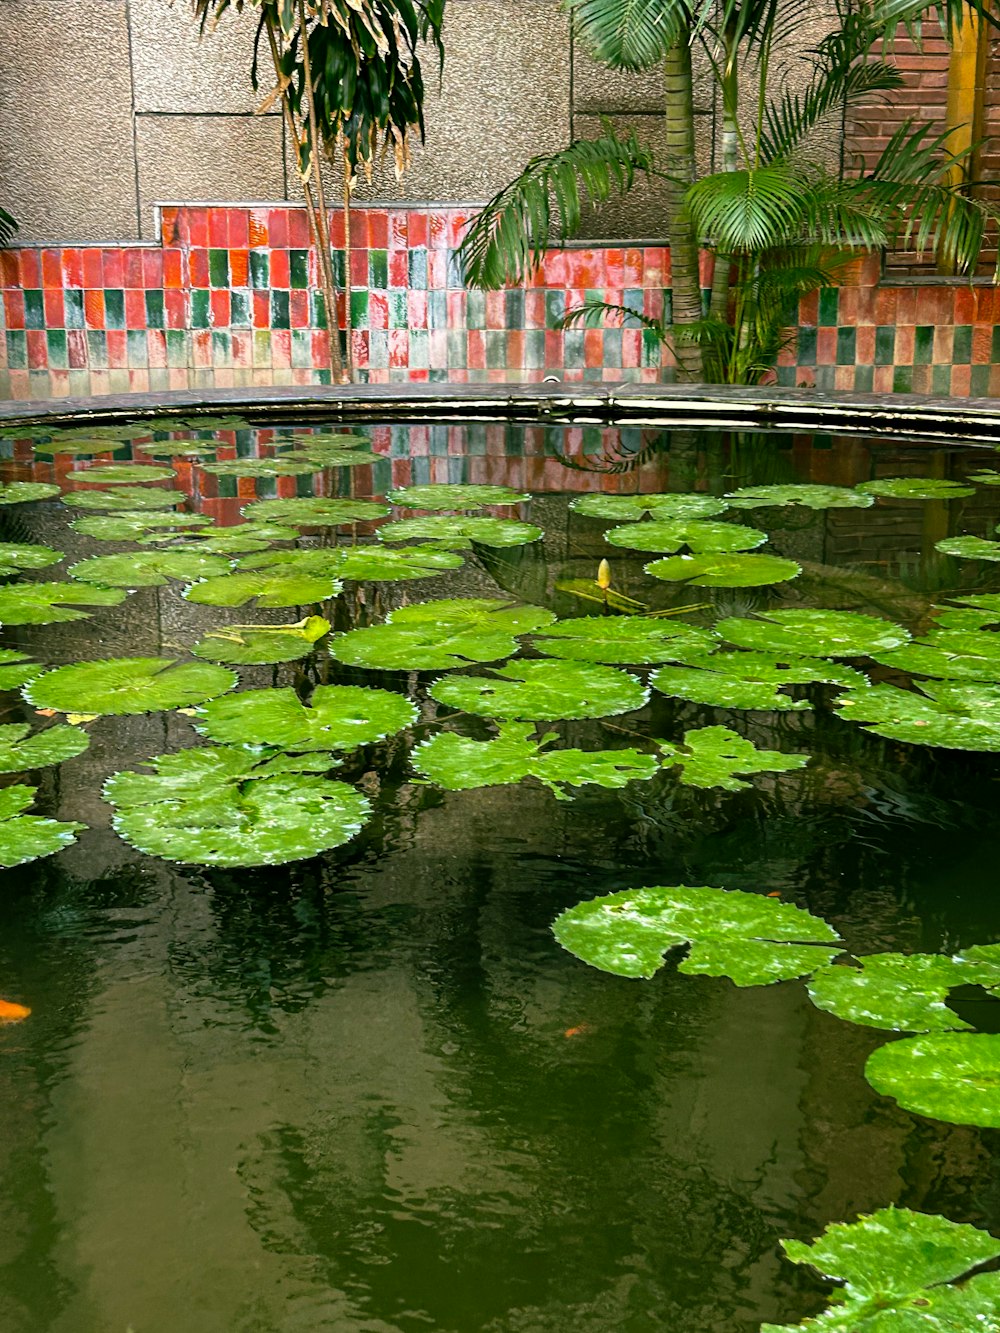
{"x":12,"y":1013}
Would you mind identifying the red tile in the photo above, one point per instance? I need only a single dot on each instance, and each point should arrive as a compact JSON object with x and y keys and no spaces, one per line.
{"x":982,"y":343}
{"x":633,"y":268}
{"x":261,"y":310}
{"x":246,"y":488}
{"x":416,"y":308}
{"x":965,"y":305}
{"x":961,"y":380}
{"x":201,"y":348}
{"x":554,"y":354}
{"x":398,"y":229}
{"x":476,"y":349}
{"x":336,"y":224}
{"x":198,"y":270}
{"x":117,"y":348}
{"x":437,"y":269}
{"x":281,"y":348}
{"x":534,"y":310}
{"x":10,"y":269}
{"x":416,"y":229}
{"x":886,"y":303}
{"x":152,"y":269}
{"x":359,"y":268}
{"x":135,"y":308}
{"x":934,"y":305}
{"x":133,"y":268}
{"x":55,"y":311}
{"x":31,"y":269}
{"x":257,"y":229}
{"x":437,"y":233}
{"x":239,"y":227}
{"x":593,"y":348}
{"x":906,"y":305}
{"x":298,"y":309}
{"x":38,"y":349}
{"x":905,"y":345}
{"x":865,"y":345}
{"x":93,"y":309}
{"x":826,"y":347}
{"x":52,"y":268}
{"x":218,"y":228}
{"x":359,"y":346}
{"x":631,"y":348}
{"x":112,"y":267}
{"x":320,"y":347}
{"x":13,"y":304}
{"x":399,"y":349}
{"x":515,"y":350}
{"x":279,"y":268}
{"x":277,"y":227}
{"x":286,"y":488}
{"x":399,"y":275}
{"x":298,"y":229}
{"x":76,"y":348}
{"x":175,"y":308}
{"x":378,"y":229}
{"x":219,"y":300}
{"x":93,"y":269}
{"x":239,"y":268}
{"x":378,"y":310}
{"x":457,"y":224}
{"x":170,"y":226}
{"x":156,"y":343}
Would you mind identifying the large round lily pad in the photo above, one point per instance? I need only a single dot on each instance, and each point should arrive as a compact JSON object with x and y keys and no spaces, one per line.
{"x":310,"y":511}
{"x":125,"y":498}
{"x":21,"y":750}
{"x":447,"y":496}
{"x":286,"y":465}
{"x":807,"y":494}
{"x":438,"y":635}
{"x":131,"y":527}
{"x":337,"y":717}
{"x":951,"y":1076}
{"x":543,"y":691}
{"x":806,"y":632}
{"x":950,"y":655}
{"x":915,"y":488}
{"x":15,"y":556}
{"x":122,"y":474}
{"x":630,"y":508}
{"x":47,"y":603}
{"x":278,"y":587}
{"x":625,"y":640}
{"x":22,"y":492}
{"x":725,"y":570}
{"x":27,"y":837}
{"x":713,"y":756}
{"x":244,"y":645}
{"x":700,"y":535}
{"x":148,"y":569}
{"x":903,"y":992}
{"x":16,"y":668}
{"x":952,"y":717}
{"x":462,"y":531}
{"x":126,"y":685}
{"x":969,"y":548}
{"x":749,"y":680}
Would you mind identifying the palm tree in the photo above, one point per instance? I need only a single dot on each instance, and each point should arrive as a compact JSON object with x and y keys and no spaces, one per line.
{"x":8,"y":227}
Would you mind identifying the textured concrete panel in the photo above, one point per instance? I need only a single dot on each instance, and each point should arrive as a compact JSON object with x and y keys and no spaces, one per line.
{"x":208,"y":158}
{"x":505,"y":97}
{"x":600,"y":91}
{"x":176,"y":69}
{"x":66,"y":160}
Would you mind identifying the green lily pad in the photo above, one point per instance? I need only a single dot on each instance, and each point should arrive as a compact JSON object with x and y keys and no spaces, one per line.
{"x":895,"y":1266}
{"x":20,"y":750}
{"x":749,"y":679}
{"x":27,"y":837}
{"x":338,"y":717}
{"x":369,"y":562}
{"x":815,"y":633}
{"x":951,"y":717}
{"x":457,"y":763}
{"x":105,"y":434}
{"x":21,"y":492}
{"x":178,"y":448}
{"x":125,"y":498}
{"x":698,"y":534}
{"x":807,"y":494}
{"x":286,"y":465}
{"x":543,"y":691}
{"x":223,"y":807}
{"x":308,"y":511}
{"x":47,"y":603}
{"x":448,"y":528}
{"x":724,"y":571}
{"x":148,"y":569}
{"x":326,"y":456}
{"x":751,"y":939}
{"x":322,"y":440}
{"x":15,"y":556}
{"x":86,"y":447}
{"x":16,"y":668}
{"x":625,"y":640}
{"x":915,"y":488}
{"x":244,"y":645}
{"x":969,"y":548}
{"x":439,"y":635}
{"x":950,"y":655}
{"x":717,"y":689}
{"x":712,"y":756}
{"x":987,"y":477}
{"x":630,"y":508}
{"x":125,"y":685}
{"x":950,"y":1076}
{"x":278,"y":587}
{"x":211,"y":545}
{"x":455,"y":497}
{"x":122,"y":474}
{"x":902,"y":992}
{"x":130,"y":527}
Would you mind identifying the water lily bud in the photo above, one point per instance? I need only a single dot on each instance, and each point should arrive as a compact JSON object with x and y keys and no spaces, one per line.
{"x":604,"y":575}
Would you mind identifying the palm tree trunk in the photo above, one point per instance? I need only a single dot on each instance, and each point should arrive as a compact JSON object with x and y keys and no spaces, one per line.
{"x":685,"y":280}
{"x":719,"y":305}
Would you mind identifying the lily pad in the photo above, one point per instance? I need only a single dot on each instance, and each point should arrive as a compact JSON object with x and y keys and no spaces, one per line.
{"x":148,"y":569}
{"x":807,"y":494}
{"x":21,"y":492}
{"x":16,"y":668}
{"x":122,"y":474}
{"x":969,"y":548}
{"x":712,"y":756}
{"x":749,"y":680}
{"x":322,"y":440}
{"x":243,"y":645}
{"x":724,"y":571}
{"x":915,"y":488}
{"x":950,"y":655}
{"x":15,"y":556}
{"x":903,"y":992}
{"x":130,"y":527}
{"x":950,"y":1076}
{"x":807,"y":632}
{"x":278,"y":587}
{"x":455,"y":496}
{"x":751,"y":939}
{"x":699,"y":535}
{"x":308,"y":511}
{"x":338,"y":717}
{"x":223,"y":807}
{"x":212,"y":544}
{"x":368,"y":562}
{"x":457,"y":763}
{"x":717,"y":689}
{"x":47,"y":603}
{"x":447,"y":528}
{"x":543,"y":691}
{"x":125,"y":498}
{"x":286,"y":465}
{"x":988,"y":477}
{"x":439,"y":635}
{"x":326,"y":456}
{"x":125,"y":685}
{"x":178,"y":448}
{"x":895,"y":1266}
{"x":20,"y":750}
{"x":27,"y":837}
{"x":625,"y":640}
{"x":951,"y":717}
{"x":630,"y":508}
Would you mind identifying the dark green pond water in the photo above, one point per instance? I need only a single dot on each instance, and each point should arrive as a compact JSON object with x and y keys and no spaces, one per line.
{"x":369,"y":1092}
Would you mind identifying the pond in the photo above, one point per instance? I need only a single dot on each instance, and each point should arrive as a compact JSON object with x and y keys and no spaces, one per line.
{"x":315,"y":1060}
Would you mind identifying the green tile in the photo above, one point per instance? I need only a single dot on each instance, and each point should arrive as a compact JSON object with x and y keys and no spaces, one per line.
{"x":137,"y":348}
{"x":222,"y":348}
{"x":301,"y":348}
{"x":786,"y":376}
{"x":420,"y":349}
{"x":612,"y":350}
{"x":979,"y":386}
{"x":378,"y":349}
{"x":359,"y":309}
{"x":17,"y":349}
{"x":961,"y":352}
{"x":456,"y":272}
{"x":825,"y":378}
{"x":114,"y":308}
{"x":73,"y":307}
{"x":339,"y":272}
{"x":218,"y":268}
{"x":652,"y":351}
{"x":260,"y":270}
{"x":885,"y":345}
{"x":573,"y":349}
{"x":807,"y":347}
{"x":514,"y":312}
{"x":864,"y":379}
{"x":417,"y":268}
{"x":317,"y":309}
{"x":378,"y":269}
{"x":399,"y":316}
{"x":154,"y":310}
{"x":262,"y":347}
{"x":902,"y":379}
{"x":534,"y":349}
{"x":475,"y":309}
{"x":555,"y":308}
{"x":279,"y":310}
{"x":240,"y":308}
{"x":97,"y":349}
{"x":457,"y":348}
{"x":941,"y":380}
{"x":55,"y":341}
{"x":437,"y":376}
{"x":177,"y":349}
{"x":437,"y":310}
{"x":923,"y":345}
{"x":496,"y":349}
{"x":828,"y":306}
{"x":201,"y":308}
{"x":34,"y":308}
{"x":226,"y":487}
{"x":846,"y":347}
{"x":995,"y":345}
{"x":298,"y":268}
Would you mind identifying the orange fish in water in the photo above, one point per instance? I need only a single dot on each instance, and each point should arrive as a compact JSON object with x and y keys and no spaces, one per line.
{"x":581,"y":1030}
{"x":12,"y":1013}
{"x":775,"y":894}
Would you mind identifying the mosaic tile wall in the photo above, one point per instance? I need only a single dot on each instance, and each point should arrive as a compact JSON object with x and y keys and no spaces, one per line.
{"x":226,"y":298}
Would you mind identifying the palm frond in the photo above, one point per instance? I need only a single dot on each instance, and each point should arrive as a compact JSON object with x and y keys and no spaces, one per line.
{"x":8,"y":227}
{"x":949,"y":14}
{"x":630,"y":34}
{"x":749,"y":209}
{"x":794,"y":115}
{"x":593,"y":314}
{"x":506,"y":241}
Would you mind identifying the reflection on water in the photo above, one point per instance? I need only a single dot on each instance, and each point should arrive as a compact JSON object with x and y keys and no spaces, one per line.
{"x":369,"y":1093}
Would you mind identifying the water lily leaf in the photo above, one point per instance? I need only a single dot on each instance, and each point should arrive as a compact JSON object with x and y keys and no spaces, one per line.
{"x":322,"y":440}
{"x":815,"y":633}
{"x":963,"y":618}
{"x":126,"y":685}
{"x":439,"y":635}
{"x":125,"y":498}
{"x":47,"y":603}
{"x":270,"y":587}
{"x":369,"y":562}
{"x":16,"y":668}
{"x":717,"y":689}
{"x":630,"y":508}
{"x":325,"y":456}
{"x":87,"y":447}
{"x":807,"y":494}
{"x":243,"y":645}
{"x":338,"y":717}
{"x":543,"y":691}
{"x":448,"y":528}
{"x":20,"y":492}
{"x":148,"y":569}
{"x":751,"y":939}
{"x":895,"y":1266}
{"x":455,"y":497}
{"x":122,"y":474}
{"x":699,"y":535}
{"x":915,"y":488}
{"x":950,"y":654}
{"x":902,"y":992}
{"x":457,"y":763}
{"x":224,"y":807}
{"x":987,"y":477}
{"x":286,"y":465}
{"x":952,"y":717}
{"x":712,"y":756}
{"x":213,"y":544}
{"x":20,"y":751}
{"x":969,"y":548}
{"x":129,"y":527}
{"x":628,"y":640}
{"x":308,"y":511}
{"x":27,"y":837}
{"x":950,"y":1076}
{"x":724,"y":571}
{"x":105,"y":434}
{"x":15,"y":556}
{"x":178,"y":448}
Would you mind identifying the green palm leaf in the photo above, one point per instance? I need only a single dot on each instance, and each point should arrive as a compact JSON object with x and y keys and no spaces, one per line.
{"x":630,"y":34}
{"x":749,"y":209}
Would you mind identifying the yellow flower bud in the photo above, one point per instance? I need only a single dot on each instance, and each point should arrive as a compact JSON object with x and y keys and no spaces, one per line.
{"x":604,"y":575}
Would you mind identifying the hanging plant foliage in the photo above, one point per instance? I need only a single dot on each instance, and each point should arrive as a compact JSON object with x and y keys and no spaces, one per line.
{"x":148,"y":569}
{"x":543,"y":691}
{"x":724,"y":571}
{"x":124,"y":685}
{"x":21,"y":750}
{"x":949,"y":1076}
{"x":461,"y":532}
{"x":24,"y":837}
{"x":712,"y":756}
{"x":806,"y":494}
{"x":806,"y":632}
{"x":699,"y":535}
{"x":337,"y":717}
{"x":447,"y":496}
{"x":15,"y":556}
{"x":47,"y":603}
{"x":665,"y":507}
{"x":245,"y":645}
{"x":624,"y":640}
